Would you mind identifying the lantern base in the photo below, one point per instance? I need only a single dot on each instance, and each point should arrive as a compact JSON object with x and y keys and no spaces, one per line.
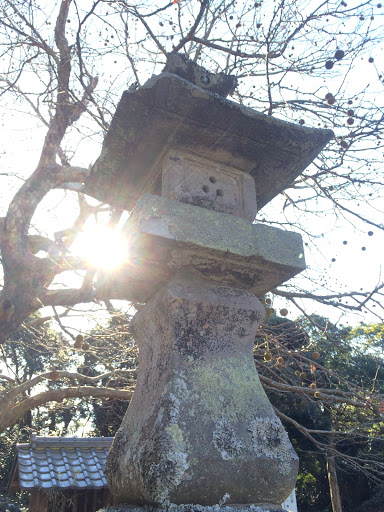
{"x":196,"y":508}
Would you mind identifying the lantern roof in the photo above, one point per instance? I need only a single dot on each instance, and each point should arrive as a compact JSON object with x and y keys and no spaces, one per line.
{"x":171,"y":113}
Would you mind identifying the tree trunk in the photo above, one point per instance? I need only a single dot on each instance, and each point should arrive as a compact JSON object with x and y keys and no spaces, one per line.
{"x":333,"y":481}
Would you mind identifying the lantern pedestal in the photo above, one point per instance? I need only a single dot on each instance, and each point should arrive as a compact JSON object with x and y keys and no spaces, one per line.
{"x":200,"y":429}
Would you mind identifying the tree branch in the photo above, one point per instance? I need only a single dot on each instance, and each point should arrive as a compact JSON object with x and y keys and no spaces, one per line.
{"x":11,"y":414}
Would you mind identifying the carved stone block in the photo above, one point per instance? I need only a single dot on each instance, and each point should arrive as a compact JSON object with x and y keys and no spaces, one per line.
{"x":196,"y":180}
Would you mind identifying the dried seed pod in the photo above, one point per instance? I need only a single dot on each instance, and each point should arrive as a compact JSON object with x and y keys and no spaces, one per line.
{"x":339,"y":54}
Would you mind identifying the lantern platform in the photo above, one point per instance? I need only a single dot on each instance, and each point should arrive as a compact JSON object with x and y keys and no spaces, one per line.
{"x":168,"y":238}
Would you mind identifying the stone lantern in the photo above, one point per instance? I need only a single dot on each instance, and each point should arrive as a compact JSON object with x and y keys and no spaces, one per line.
{"x":193,"y":168}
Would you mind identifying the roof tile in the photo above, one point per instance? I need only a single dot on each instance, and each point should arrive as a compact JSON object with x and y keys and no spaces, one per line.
{"x":63,"y":462}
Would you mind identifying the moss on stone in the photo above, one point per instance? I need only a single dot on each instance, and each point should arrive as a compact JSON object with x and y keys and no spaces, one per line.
{"x":233,"y":377}
{"x":176,"y":434}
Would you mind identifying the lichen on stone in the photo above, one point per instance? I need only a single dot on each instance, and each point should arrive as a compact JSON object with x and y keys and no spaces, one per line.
{"x":164,"y":475}
{"x":225,"y":439}
{"x":270,"y":439}
{"x":224,"y":499}
{"x":168,"y":448}
{"x":173,"y":409}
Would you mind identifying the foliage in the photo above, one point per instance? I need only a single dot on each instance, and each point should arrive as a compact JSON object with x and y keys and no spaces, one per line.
{"x":335,"y":361}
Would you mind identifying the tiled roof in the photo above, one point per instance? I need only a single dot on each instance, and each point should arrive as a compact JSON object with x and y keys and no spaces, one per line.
{"x":63,"y":462}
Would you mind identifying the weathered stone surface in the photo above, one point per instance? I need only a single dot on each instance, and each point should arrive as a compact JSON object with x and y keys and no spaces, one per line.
{"x":191,"y":508}
{"x":218,"y":83}
{"x":199,"y":428}
{"x":169,"y":112}
{"x":191,"y":179}
{"x":169,"y":238}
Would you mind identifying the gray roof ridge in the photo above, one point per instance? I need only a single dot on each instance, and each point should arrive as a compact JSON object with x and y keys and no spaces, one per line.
{"x":70,"y":441}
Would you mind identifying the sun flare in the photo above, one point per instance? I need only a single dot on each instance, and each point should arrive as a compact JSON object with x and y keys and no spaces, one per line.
{"x":102,"y":247}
